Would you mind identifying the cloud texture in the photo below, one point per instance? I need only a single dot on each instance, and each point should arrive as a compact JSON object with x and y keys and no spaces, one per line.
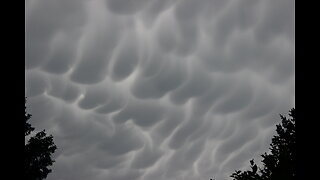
{"x":158,"y":89}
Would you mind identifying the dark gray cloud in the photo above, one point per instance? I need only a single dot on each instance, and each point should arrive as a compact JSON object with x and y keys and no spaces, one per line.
{"x":142,"y":113}
{"x":63,"y":53}
{"x":64,"y":90}
{"x":154,"y":9}
{"x":168,"y":78}
{"x":198,"y":83}
{"x":277,"y":20}
{"x":146,"y":157}
{"x":127,"y":58}
{"x":205,"y":102}
{"x":46,"y":19}
{"x":43,"y":110}
{"x":167,"y":35}
{"x":96,"y":54}
{"x":93,"y":98}
{"x":36,"y":83}
{"x":122,"y":141}
{"x":126,"y":6}
{"x":247,"y":151}
{"x":166,"y":127}
{"x":113,"y":104}
{"x":183,"y":158}
{"x":184,"y":131}
{"x":159,"y":89}
{"x":237,"y":100}
{"x":235,"y":142}
{"x":263,"y":103}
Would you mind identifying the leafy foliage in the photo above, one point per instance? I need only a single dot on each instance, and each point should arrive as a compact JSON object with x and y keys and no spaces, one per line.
{"x":280,"y":163}
{"x":27,"y":126}
{"x":38,"y":152}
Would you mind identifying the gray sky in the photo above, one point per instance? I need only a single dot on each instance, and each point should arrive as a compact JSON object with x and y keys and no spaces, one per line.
{"x":158,"y":89}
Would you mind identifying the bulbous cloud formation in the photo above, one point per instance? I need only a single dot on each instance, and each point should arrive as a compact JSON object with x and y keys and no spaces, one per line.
{"x":158,"y":89}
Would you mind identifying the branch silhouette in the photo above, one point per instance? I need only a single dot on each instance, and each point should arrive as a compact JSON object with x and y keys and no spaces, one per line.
{"x":38,"y":151}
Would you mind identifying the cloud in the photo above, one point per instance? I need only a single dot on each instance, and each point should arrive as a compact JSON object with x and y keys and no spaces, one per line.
{"x":36,"y":84}
{"x":93,"y":97}
{"x":236,"y":101}
{"x":125,"y":6}
{"x":236,"y":141}
{"x":169,"y":77}
{"x":63,"y":53}
{"x":146,"y":157}
{"x":154,"y":9}
{"x":144,"y":114}
{"x":277,"y":20}
{"x":167,"y":34}
{"x":44,"y":21}
{"x":166,"y":127}
{"x":160,"y":89}
{"x":113,"y":104}
{"x":198,"y":83}
{"x":263,"y":103}
{"x":96,"y":55}
{"x":184,"y":158}
{"x":63,"y":89}
{"x":184,"y":131}
{"x":127,"y":59}
{"x":42,"y":110}
{"x":122,"y":141}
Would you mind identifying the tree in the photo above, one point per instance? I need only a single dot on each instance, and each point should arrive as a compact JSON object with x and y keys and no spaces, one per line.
{"x":38,"y":152}
{"x":280,"y":163}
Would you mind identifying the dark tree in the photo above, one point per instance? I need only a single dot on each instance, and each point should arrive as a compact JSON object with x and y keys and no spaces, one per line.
{"x":280,"y":163}
{"x":38,"y":152}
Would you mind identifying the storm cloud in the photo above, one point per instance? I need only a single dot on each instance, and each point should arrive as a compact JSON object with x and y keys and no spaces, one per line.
{"x":158,"y":89}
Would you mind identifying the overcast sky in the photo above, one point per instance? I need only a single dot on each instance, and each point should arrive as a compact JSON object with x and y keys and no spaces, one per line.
{"x":158,"y":89}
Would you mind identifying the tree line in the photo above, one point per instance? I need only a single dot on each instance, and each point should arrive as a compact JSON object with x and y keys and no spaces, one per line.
{"x":278,"y":164}
{"x":38,"y":150}
{"x":281,"y":162}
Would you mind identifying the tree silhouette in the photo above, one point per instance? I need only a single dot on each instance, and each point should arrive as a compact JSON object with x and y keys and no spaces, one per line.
{"x":280,"y":163}
{"x":38,"y":152}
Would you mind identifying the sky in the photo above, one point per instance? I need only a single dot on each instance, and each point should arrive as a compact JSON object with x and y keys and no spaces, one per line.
{"x":158,"y":89}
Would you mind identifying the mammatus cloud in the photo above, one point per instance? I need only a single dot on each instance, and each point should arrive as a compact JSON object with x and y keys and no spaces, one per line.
{"x":158,"y":89}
